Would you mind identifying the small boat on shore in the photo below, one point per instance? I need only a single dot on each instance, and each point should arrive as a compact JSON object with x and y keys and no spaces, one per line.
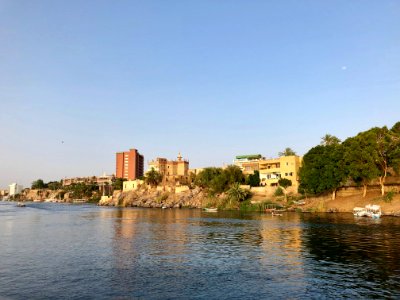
{"x":211,"y":209}
{"x":369,"y":211}
{"x":20,"y":204}
{"x":274,"y":214}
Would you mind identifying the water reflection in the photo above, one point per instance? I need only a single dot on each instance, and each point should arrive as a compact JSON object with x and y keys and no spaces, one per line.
{"x":91,"y":252}
{"x":363,"y":252}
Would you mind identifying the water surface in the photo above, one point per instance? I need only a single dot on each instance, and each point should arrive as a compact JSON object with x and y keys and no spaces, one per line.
{"x":62,"y":251}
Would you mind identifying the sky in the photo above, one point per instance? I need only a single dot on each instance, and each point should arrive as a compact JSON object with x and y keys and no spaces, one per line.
{"x":82,"y":80}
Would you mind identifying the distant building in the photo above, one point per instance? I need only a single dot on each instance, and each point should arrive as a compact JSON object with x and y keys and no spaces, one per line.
{"x":271,"y":170}
{"x":15,"y":189}
{"x":100,"y":180}
{"x":172,"y":170}
{"x":129,"y":165}
{"x":248,"y":163}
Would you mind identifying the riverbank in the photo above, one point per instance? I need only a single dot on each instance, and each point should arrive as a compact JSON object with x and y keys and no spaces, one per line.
{"x":389,"y":207}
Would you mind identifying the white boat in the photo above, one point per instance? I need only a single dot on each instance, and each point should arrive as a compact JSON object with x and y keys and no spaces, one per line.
{"x":211,"y":209}
{"x":370,"y":211}
{"x":20,"y":204}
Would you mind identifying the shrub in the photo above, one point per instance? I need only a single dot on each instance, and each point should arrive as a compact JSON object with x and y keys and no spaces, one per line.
{"x":236,"y":193}
{"x":278,"y":192}
{"x":389,"y":196}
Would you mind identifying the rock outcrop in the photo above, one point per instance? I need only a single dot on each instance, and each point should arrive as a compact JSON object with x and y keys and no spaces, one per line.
{"x":155,"y":198}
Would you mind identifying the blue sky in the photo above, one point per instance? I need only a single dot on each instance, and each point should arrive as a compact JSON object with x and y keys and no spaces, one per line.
{"x":212,"y":79}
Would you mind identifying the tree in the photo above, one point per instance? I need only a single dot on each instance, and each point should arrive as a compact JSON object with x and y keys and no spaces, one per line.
{"x":360,"y":161}
{"x":118,"y":184}
{"x":233,"y":174}
{"x":284,"y":183}
{"x":54,"y":185}
{"x":204,"y":178}
{"x":384,"y":146}
{"x":323,"y":170}
{"x":287,"y":152}
{"x":253,"y":179}
{"x":153,"y":177}
{"x":218,"y":180}
{"x":38,"y":184}
{"x":329,"y":140}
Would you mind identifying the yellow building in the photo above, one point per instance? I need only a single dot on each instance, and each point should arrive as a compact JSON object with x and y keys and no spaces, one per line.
{"x":132,"y":185}
{"x":172,"y":170}
{"x":271,"y":170}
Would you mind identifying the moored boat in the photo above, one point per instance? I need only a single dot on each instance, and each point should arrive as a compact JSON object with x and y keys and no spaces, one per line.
{"x":20,"y":204}
{"x":211,"y":209}
{"x":370,"y":211}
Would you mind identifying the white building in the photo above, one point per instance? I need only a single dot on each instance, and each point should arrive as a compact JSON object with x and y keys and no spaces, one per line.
{"x":15,"y":189}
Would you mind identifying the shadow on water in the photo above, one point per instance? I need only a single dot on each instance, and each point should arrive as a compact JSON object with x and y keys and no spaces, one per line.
{"x":364,"y":252}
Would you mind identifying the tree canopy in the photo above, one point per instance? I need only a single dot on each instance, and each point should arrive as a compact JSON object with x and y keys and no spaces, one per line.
{"x":38,"y":184}
{"x":153,"y":177}
{"x":218,"y":180}
{"x":329,"y":140}
{"x":370,"y":155}
{"x":322,"y":170}
{"x":287,"y":152}
{"x":253,"y":179}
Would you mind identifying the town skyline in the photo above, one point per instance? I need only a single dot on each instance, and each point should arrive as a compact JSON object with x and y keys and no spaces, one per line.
{"x":80,"y":82}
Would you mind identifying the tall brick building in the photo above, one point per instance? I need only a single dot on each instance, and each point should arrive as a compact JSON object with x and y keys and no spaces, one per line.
{"x":129,"y":165}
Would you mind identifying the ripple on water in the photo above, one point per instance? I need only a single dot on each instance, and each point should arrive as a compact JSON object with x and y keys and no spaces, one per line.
{"x":77,"y":252}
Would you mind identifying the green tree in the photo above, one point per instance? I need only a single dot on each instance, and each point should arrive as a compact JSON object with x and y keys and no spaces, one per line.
{"x":233,"y":174}
{"x":360,"y":161}
{"x":153,"y":177}
{"x":253,"y":179}
{"x":118,"y":184}
{"x":284,"y":182}
{"x":329,"y":140}
{"x":218,"y":180}
{"x":38,"y":184}
{"x":204,"y":178}
{"x":323,"y":170}
{"x":384,"y":145}
{"x":287,"y":152}
{"x":54,"y":185}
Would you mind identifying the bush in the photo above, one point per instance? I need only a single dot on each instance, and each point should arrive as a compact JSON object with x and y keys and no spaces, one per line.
{"x":162,"y":197}
{"x":389,"y":196}
{"x":278,"y":192}
{"x":238,"y":194}
{"x":248,"y":206}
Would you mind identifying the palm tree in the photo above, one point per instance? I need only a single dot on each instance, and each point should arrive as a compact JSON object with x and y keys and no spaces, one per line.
{"x":153,"y":177}
{"x":328,"y":140}
{"x":287,"y":152}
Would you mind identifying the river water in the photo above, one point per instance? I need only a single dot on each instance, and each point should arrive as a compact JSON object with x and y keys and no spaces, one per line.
{"x":60,"y":251}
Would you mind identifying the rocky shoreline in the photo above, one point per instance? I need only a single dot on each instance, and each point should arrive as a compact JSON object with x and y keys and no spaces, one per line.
{"x":152,"y":198}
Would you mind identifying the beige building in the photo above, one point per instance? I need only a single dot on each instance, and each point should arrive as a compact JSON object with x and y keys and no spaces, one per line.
{"x":248,"y":163}
{"x":271,"y":170}
{"x":132,"y":185}
{"x":172,"y":170}
{"x":100,"y":180}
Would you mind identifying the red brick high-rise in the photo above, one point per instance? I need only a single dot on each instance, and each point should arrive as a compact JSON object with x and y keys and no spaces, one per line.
{"x":129,"y":165}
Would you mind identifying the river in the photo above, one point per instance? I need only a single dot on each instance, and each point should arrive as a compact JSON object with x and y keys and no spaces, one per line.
{"x":60,"y":251}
